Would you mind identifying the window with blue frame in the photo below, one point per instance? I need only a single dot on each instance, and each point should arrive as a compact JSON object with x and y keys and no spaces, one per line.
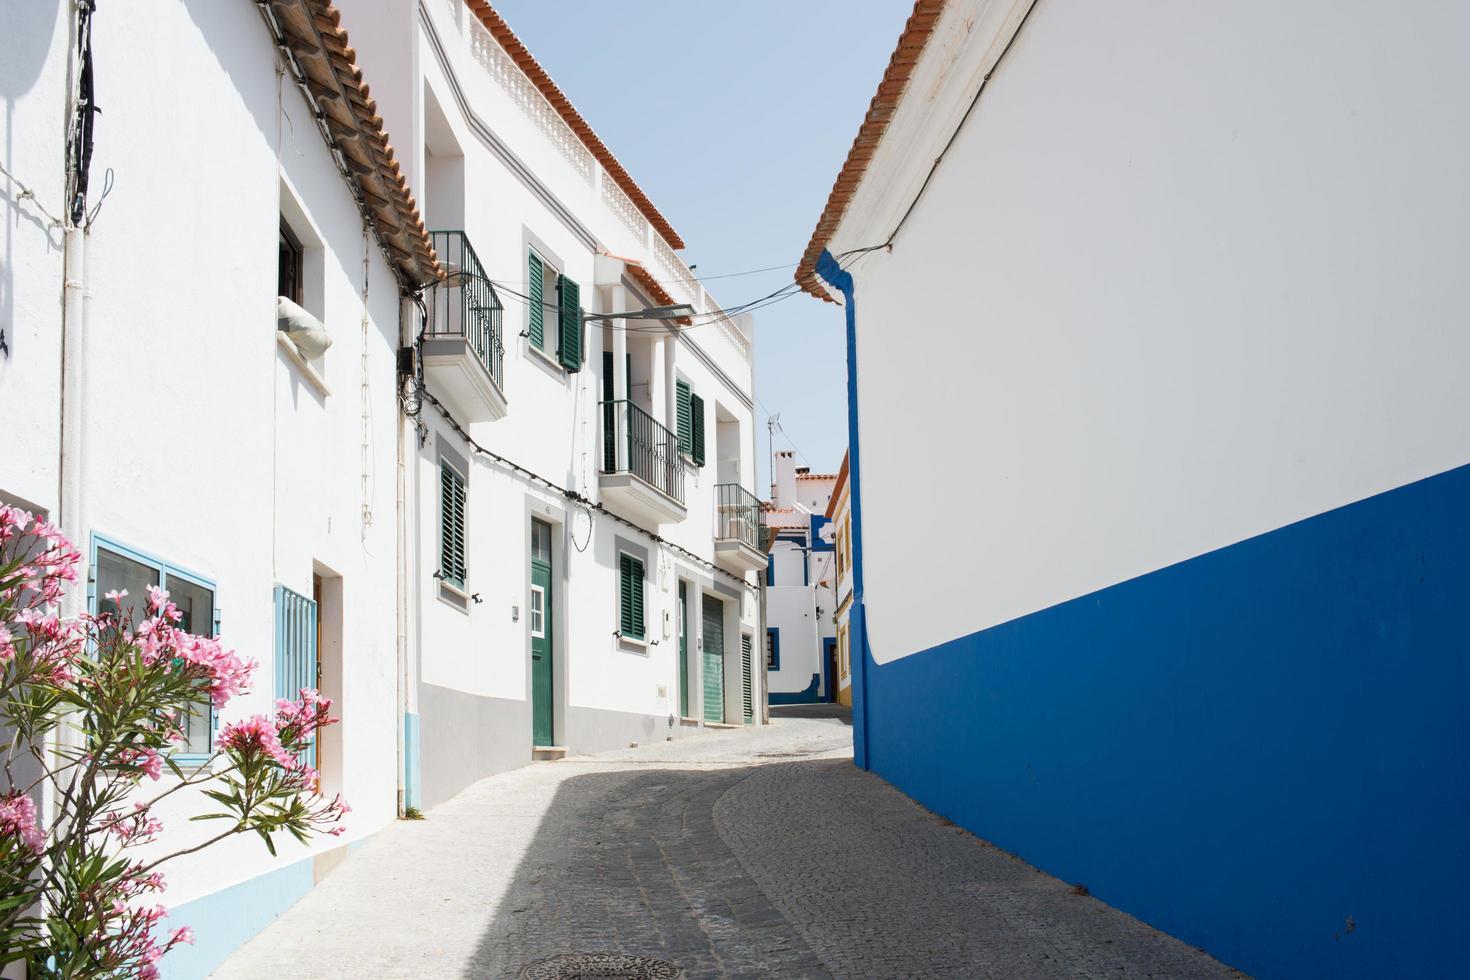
{"x":117,"y":568}
{"x":296,"y":652}
{"x":773,"y":648}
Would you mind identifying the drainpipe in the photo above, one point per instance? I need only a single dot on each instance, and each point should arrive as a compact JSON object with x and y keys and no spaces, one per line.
{"x":857,"y":624}
{"x":402,"y":566}
{"x":72,"y":418}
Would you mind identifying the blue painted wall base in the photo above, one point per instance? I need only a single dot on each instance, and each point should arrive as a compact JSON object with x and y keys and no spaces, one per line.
{"x":225,"y":920}
{"x":808,"y":695}
{"x":1263,"y":751}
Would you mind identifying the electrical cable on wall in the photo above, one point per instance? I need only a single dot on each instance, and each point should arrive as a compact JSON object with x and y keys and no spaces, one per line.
{"x":572,"y":495}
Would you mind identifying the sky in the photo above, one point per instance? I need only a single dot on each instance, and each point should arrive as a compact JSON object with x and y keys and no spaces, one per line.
{"x":734,"y":117}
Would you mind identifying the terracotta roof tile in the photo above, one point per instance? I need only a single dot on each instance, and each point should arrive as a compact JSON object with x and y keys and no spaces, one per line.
{"x":524,"y":60}
{"x":837,"y":490}
{"x":312,"y":32}
{"x":911,"y":43}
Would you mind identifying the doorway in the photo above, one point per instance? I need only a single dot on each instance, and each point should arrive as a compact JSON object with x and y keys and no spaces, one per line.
{"x":829,"y":668}
{"x":683,"y":650}
{"x":540,"y":619}
{"x":714,"y":659}
{"x":326,"y":593}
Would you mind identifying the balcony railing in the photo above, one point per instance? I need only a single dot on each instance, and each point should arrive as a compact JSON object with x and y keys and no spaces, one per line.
{"x":465,"y":304}
{"x":634,"y":443}
{"x":737,"y":515}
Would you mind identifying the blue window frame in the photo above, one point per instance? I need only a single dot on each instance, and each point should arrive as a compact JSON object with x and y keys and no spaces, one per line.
{"x":773,"y":648}
{"x":771,"y":569}
{"x":118,"y":566}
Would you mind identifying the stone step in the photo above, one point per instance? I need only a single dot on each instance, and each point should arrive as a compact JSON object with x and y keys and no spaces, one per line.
{"x":548,"y":753}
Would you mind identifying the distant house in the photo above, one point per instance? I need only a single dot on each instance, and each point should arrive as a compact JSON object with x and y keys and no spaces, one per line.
{"x":801,"y":637}
{"x":839,"y":519}
{"x":1159,"y":458}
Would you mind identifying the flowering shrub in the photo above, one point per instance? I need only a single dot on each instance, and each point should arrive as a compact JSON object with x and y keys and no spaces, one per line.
{"x":90,"y":708}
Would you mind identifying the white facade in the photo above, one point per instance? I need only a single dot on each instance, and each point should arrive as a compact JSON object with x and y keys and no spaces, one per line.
{"x":492,"y":157}
{"x":196,"y":443}
{"x":1164,"y":304}
{"x":800,"y":586}
{"x":1134,"y":488}
{"x":200,"y":445}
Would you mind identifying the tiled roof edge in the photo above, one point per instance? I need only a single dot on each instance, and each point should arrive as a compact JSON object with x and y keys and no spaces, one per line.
{"x":521,"y":55}
{"x":313,"y":33}
{"x":911,"y":43}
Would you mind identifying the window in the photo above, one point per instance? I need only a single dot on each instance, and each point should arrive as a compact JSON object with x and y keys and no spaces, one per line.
{"x":451,"y":525}
{"x":555,"y":303}
{"x":630,"y":596}
{"x":538,"y":611}
{"x":773,"y":648}
{"x":689,"y":418}
{"x":288,"y":266}
{"x":296,"y":652}
{"x":118,"y":568}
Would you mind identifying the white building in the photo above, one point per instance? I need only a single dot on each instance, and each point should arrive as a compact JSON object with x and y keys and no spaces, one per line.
{"x":479,"y":530}
{"x":199,"y":448}
{"x":839,"y":517}
{"x":581,"y":575}
{"x":1157,"y":314}
{"x":801,"y":631}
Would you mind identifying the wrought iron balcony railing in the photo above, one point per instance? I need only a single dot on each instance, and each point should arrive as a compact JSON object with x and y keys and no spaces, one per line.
{"x":465,"y":304}
{"x":737,"y":515}
{"x":633,"y":442}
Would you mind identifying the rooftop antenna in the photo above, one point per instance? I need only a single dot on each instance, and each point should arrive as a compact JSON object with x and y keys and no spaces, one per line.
{"x":771,"y":422}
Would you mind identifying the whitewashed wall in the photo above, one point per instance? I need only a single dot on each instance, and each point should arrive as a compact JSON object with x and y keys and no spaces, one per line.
{"x":203,"y":445}
{"x":32,"y":147}
{"x":1213,"y":290}
{"x":526,"y":183}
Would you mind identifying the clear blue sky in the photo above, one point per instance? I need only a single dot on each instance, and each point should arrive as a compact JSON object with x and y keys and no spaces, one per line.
{"x":734,"y":118}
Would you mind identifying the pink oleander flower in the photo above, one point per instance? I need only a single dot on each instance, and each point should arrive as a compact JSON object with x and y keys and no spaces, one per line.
{"x":182,"y":935}
{"x":256,"y":734}
{"x":133,"y":828}
{"x":148,"y":760}
{"x":18,"y":819}
{"x":117,"y":595}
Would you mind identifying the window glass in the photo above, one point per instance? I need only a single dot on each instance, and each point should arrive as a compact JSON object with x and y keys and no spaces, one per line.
{"x":196,"y":606}
{"x":538,"y":611}
{"x":195,"y":602}
{"x":288,"y":266}
{"x":116,"y":573}
{"x":541,"y":541}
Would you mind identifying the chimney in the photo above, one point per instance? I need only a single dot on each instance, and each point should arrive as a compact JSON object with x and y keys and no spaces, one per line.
{"x":784,"y":489}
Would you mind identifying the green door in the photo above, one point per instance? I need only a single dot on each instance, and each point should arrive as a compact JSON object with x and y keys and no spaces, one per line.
{"x":714,"y":659}
{"x":683,"y":651}
{"x":540,"y":623}
{"x":747,"y":702}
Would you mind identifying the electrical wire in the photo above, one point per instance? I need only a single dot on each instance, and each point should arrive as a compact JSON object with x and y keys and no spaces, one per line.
{"x":572,"y":495}
{"x":706,"y":317}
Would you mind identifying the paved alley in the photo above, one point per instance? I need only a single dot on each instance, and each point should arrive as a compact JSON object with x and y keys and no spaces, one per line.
{"x":756,"y":852}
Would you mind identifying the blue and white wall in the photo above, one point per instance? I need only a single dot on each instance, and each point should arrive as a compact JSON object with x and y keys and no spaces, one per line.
{"x":1199,"y":380}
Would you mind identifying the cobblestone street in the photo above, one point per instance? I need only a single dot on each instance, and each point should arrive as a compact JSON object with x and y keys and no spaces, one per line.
{"x":758,"y":852}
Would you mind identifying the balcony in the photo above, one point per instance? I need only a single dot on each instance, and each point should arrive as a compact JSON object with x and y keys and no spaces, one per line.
{"x":738,"y":529}
{"x":462,"y":350}
{"x":642,"y":474}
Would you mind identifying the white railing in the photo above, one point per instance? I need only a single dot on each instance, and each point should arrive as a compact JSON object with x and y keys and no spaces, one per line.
{"x":488,"y":52}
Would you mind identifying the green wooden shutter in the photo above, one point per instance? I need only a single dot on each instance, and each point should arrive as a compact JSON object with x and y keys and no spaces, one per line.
{"x":537,"y":330}
{"x":451,"y":526}
{"x":609,"y":417}
{"x":569,"y":323}
{"x":630,"y":596}
{"x":747,"y":702}
{"x":696,"y":439}
{"x":681,"y":414}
